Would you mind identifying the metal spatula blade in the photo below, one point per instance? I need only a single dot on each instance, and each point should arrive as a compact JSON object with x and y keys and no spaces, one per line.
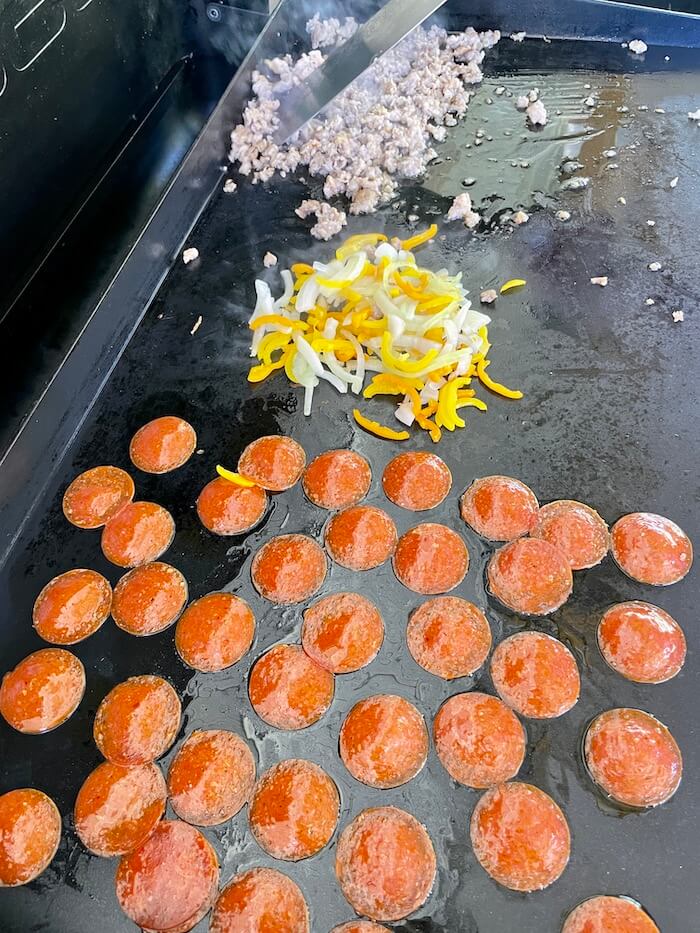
{"x":379,"y":34}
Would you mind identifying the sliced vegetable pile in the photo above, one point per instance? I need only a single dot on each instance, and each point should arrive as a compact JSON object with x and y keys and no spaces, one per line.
{"x":373,"y":311}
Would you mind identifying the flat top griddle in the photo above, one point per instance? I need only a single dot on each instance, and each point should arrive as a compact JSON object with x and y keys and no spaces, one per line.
{"x":609,"y":417}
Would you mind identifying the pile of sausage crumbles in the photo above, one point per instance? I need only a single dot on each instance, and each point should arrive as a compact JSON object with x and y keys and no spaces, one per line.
{"x":385,"y":861}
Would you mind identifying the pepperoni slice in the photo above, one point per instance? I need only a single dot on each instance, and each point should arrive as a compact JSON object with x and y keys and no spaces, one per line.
{"x":117,"y":808}
{"x":149,"y":598}
{"x":96,"y":496}
{"x":360,"y":926}
{"x":361,"y":537}
{"x":274,"y":462}
{"x":342,"y":632}
{"x":30,"y":831}
{"x":337,"y":479}
{"x":530,"y":576}
{"x":137,"y":721}
{"x":385,"y":863}
{"x":211,"y":778}
{"x":289,"y":569}
{"x":260,"y":900}
{"x":169,"y":882}
{"x":225,"y":508}
{"x":604,"y":914}
{"x":536,"y":675}
{"x":633,"y":757}
{"x":215,"y":632}
{"x":72,"y":606}
{"x":43,"y":691}
{"x":574,"y":529}
{"x":288,"y":689}
{"x":500,"y":508}
{"x":162,"y":445}
{"x":520,"y":836}
{"x":416,"y":481}
{"x":431,"y":559}
{"x":449,"y":637}
{"x":384,"y":741}
{"x":140,"y":533}
{"x":651,"y":549}
{"x":641,"y":642}
{"x":478,"y":740}
{"x":294,"y":810}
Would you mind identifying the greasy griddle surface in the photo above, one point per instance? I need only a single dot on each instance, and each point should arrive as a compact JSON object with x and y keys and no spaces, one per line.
{"x":609,"y":417}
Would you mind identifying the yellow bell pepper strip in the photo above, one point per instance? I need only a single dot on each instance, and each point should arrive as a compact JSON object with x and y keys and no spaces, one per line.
{"x":420,"y":238}
{"x":407,"y":288}
{"x":404,"y":366}
{"x":234,"y":477}
{"x":270,"y":343}
{"x":495,"y":386}
{"x":401,"y":383}
{"x":263,"y":370}
{"x":359,"y":241}
{"x":279,"y":320}
{"x":334,"y":283}
{"x":423,"y":419}
{"x":302,"y":269}
{"x":512,"y":284}
{"x":379,"y":429}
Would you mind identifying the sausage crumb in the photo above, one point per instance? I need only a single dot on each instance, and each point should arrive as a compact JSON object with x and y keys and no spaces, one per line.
{"x":269,"y":260}
{"x":649,"y":301}
{"x":677,"y":316}
{"x":654,"y":267}
{"x":536,"y":113}
{"x":637,"y":46}
{"x":230,"y":186}
{"x":563,"y":216}
{"x":601,"y":280}
{"x":520,"y":217}
{"x":488,"y":296}
{"x":461,"y":209}
{"x":651,"y":223}
{"x":190,"y":254}
{"x":695,"y":115}
{"x":329,"y":220}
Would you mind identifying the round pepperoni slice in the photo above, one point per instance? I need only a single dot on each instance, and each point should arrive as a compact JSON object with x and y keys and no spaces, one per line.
{"x":225,"y":508}
{"x":384,"y":741}
{"x":416,"y":481}
{"x":431,"y":559}
{"x":169,"y":882}
{"x":360,"y":926}
{"x":162,"y":445}
{"x":642,"y":642}
{"x":342,"y":632}
{"x":30,"y":831}
{"x":536,"y":675}
{"x":385,"y":863}
{"x":117,"y":808}
{"x":260,"y":900}
{"x":96,"y":496}
{"x":140,"y":533}
{"x":211,"y":778}
{"x":604,"y":914}
{"x":478,"y":740}
{"x":361,"y":537}
{"x":520,"y":836}
{"x":500,"y":508}
{"x":43,"y":691}
{"x":633,"y":757}
{"x":294,"y":810}
{"x":449,"y":637}
{"x":576,"y":530}
{"x":72,"y":606}
{"x":337,"y":479}
{"x":274,"y":462}
{"x":288,"y":689}
{"x":289,"y":569}
{"x":137,"y":721}
{"x":651,"y":549}
{"x":148,"y":599}
{"x":215,"y":632}
{"x":530,"y":576}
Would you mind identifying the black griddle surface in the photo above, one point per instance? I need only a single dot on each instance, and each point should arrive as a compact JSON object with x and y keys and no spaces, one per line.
{"x":609,"y":417}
